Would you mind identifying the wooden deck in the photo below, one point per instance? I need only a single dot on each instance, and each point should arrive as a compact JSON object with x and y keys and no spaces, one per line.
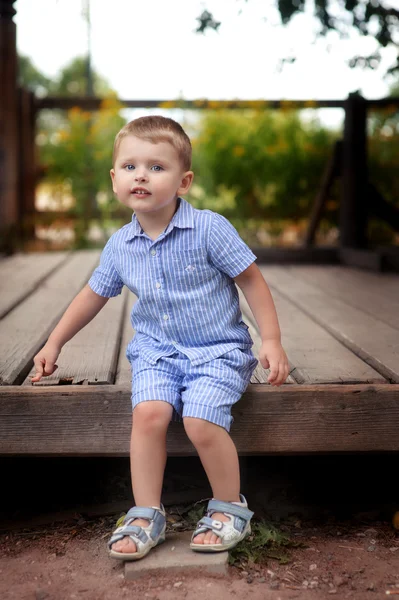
{"x":340,"y":330}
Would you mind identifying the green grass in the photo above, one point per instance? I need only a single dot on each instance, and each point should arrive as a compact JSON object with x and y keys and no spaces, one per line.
{"x":264,"y":542}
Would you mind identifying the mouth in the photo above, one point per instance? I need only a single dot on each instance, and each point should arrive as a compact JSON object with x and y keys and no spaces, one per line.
{"x":139,"y":191}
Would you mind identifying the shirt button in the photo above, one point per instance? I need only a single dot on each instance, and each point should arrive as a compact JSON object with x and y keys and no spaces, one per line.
{"x":165,"y":317}
{"x":157,"y":285}
{"x":153,"y":252}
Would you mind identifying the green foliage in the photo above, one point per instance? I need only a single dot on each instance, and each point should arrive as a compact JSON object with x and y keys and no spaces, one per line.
{"x":30,"y":77}
{"x":259,"y":164}
{"x":80,"y":152}
{"x":265,"y":542}
{"x":75,"y":148}
{"x":375,"y":18}
{"x":72,"y":80}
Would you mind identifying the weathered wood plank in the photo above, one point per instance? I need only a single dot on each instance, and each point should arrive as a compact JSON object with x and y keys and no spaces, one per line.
{"x":370,"y":339}
{"x":377,"y":294}
{"x":21,"y":274}
{"x":123,"y":371}
{"x":260,"y":374}
{"x":292,"y":419}
{"x":25,"y":329}
{"x":315,"y":356}
{"x":91,"y":356}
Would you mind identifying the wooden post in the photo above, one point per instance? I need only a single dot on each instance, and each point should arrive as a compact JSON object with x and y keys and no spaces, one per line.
{"x":9,"y":213}
{"x":333,"y":169}
{"x":27,"y":161}
{"x":354,"y":205}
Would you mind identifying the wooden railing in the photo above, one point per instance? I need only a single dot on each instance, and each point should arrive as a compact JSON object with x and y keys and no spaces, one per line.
{"x":353,"y":168}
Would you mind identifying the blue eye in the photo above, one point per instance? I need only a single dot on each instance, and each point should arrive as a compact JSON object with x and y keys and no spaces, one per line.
{"x":157,"y":168}
{"x":129,"y":167}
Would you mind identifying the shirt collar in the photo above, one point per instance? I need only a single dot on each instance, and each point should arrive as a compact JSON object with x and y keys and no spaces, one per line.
{"x":183,"y":218}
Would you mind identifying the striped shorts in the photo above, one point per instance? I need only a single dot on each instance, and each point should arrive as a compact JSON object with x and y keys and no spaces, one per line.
{"x":205,"y":391}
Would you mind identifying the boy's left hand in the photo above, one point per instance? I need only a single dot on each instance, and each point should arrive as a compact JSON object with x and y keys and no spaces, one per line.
{"x":273,"y":357}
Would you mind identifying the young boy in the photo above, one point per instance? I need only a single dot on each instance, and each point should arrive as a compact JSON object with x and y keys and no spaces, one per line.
{"x":191,"y":356}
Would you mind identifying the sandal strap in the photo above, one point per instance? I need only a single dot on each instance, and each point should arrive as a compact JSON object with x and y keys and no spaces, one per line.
{"x":133,"y":531}
{"x":229,"y":508}
{"x":156,"y":517}
{"x":142,"y":512}
{"x":206,"y":524}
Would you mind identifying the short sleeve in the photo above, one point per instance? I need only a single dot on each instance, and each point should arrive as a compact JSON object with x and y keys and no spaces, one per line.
{"x":227,"y":251}
{"x":105,"y":280}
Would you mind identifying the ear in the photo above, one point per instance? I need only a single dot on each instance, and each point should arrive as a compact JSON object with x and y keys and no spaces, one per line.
{"x":186,"y":182}
{"x":112,"y":173}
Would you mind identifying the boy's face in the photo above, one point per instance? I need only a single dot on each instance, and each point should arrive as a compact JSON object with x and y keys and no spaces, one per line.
{"x":149,"y":177}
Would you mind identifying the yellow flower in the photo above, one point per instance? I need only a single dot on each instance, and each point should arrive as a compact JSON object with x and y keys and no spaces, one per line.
{"x":63,"y":135}
{"x":238,"y":150}
{"x":200,"y":102}
{"x":74,"y":112}
{"x":287,"y":104}
{"x":168,"y":104}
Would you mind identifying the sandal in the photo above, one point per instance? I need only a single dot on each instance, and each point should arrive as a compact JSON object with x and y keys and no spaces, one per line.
{"x":145,"y":538}
{"x":231,"y":532}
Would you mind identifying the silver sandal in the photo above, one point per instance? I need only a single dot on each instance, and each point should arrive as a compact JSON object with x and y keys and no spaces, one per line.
{"x":231,"y":532}
{"x":145,"y":538}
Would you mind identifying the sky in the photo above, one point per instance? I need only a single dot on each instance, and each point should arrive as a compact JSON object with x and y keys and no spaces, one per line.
{"x":148,"y":49}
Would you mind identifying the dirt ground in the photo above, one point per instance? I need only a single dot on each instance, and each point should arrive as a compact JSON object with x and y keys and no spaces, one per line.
{"x":70,"y":562}
{"x":336,"y":513}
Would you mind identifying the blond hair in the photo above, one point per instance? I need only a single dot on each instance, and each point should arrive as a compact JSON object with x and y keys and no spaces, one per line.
{"x":157,"y":129}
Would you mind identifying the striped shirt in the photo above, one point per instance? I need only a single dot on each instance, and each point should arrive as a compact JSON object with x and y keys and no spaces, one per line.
{"x":187,"y":299}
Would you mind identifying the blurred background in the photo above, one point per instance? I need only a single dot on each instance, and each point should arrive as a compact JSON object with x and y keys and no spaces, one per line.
{"x":261,"y":164}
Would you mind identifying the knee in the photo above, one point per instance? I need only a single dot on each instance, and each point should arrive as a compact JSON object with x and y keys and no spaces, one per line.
{"x":201,"y":433}
{"x":152,"y":417}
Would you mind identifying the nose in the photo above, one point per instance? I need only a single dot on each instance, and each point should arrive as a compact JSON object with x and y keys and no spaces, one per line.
{"x":140,"y":175}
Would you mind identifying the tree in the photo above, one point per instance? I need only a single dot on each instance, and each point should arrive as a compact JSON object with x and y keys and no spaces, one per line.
{"x":375,"y":18}
{"x":30,"y":77}
{"x":75,"y":147}
{"x":72,"y":81}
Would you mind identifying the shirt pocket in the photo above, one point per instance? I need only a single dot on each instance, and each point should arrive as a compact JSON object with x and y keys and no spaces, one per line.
{"x":191,"y":269}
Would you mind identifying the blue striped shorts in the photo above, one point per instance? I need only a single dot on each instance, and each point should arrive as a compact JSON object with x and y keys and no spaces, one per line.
{"x":205,"y":391}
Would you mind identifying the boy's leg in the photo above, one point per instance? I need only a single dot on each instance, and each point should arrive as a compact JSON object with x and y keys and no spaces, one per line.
{"x":147,"y":459}
{"x":219,"y":458}
{"x":211,"y":390}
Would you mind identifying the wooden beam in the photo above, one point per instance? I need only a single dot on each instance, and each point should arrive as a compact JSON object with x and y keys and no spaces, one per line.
{"x":94,"y":103}
{"x":26,"y":161}
{"x":9,"y":213}
{"x":293,"y":419}
{"x":354,"y":180}
{"x":362,"y":259}
{"x":312,"y":255}
{"x":332,"y":171}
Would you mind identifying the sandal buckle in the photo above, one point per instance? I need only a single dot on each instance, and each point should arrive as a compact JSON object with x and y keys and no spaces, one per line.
{"x":217,"y":524}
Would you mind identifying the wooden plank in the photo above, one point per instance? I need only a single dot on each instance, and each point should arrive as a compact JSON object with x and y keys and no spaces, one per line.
{"x":25,"y":329}
{"x":373,"y":293}
{"x":123,"y":371}
{"x":370,"y":339}
{"x":292,"y":419}
{"x":21,"y":274}
{"x":315,"y":356}
{"x":260,"y":374}
{"x":91,"y":356}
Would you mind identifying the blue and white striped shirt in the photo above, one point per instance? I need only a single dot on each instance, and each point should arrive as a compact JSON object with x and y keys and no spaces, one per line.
{"x":187,"y":299}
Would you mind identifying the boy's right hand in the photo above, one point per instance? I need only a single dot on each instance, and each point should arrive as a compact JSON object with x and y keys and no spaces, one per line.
{"x":44,"y":362}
